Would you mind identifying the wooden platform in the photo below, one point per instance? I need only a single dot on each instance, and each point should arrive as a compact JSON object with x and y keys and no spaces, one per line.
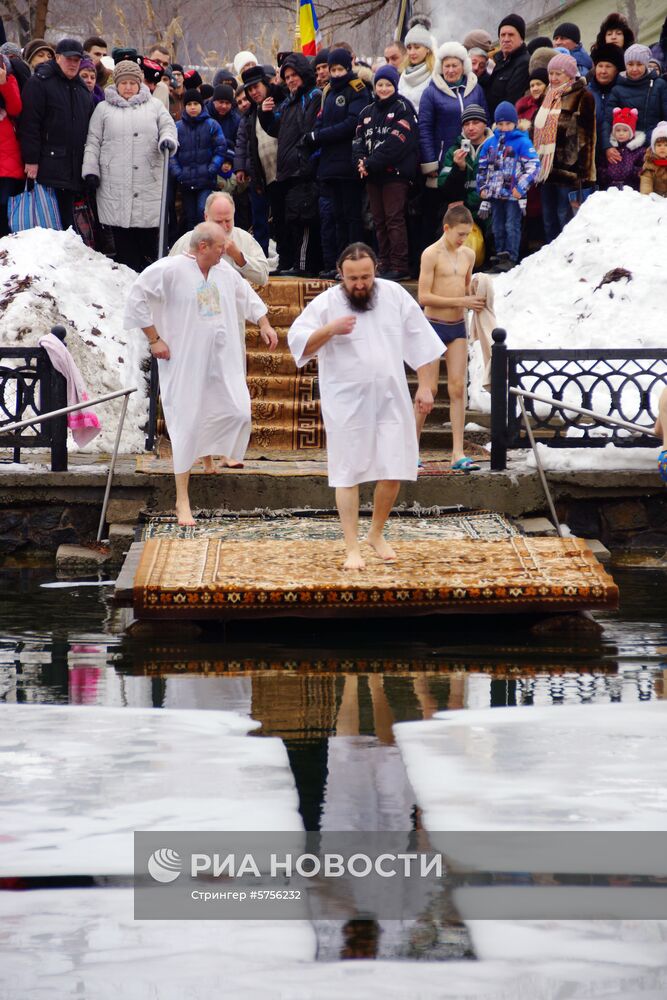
{"x":212,"y":578}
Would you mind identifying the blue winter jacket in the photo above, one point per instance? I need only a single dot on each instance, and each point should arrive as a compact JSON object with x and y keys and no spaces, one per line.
{"x":440,"y":110}
{"x":507,"y":160}
{"x":601,"y":95}
{"x":582,"y":59}
{"x":201,"y":151}
{"x":343,"y":101}
{"x":229,"y":125}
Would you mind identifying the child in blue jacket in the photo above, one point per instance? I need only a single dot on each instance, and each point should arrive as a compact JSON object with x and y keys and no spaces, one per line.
{"x":508,"y":165}
{"x":201,"y":151}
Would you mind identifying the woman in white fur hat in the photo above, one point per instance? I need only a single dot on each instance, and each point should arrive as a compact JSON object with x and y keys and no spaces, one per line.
{"x":421,"y":46}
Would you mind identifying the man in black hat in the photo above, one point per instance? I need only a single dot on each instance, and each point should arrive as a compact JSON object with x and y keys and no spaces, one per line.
{"x":256,"y":159}
{"x":509,"y":80}
{"x":568,"y":36}
{"x":53,"y":126}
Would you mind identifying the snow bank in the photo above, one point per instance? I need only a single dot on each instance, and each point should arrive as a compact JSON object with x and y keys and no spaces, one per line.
{"x":585,"y":459}
{"x":48,"y":278}
{"x":554,"y":299}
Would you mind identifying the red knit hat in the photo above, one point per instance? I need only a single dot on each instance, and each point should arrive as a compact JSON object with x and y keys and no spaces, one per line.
{"x":625,"y":116}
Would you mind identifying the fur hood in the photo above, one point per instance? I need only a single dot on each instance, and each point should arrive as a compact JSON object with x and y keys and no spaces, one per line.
{"x":470,"y":81}
{"x":456,"y":51}
{"x":637,"y":140}
{"x":113,"y":98}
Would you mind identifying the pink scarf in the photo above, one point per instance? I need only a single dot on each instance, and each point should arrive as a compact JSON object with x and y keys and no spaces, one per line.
{"x":84,"y":424}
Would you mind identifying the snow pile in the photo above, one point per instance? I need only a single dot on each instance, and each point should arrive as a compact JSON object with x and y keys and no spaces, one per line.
{"x":555,"y":298}
{"x":585,"y":459}
{"x":49,"y":278}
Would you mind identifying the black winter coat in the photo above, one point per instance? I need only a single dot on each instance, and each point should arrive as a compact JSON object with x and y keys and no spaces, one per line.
{"x":343,"y":101}
{"x":509,"y":80}
{"x":292,"y":120}
{"x":54,"y":125}
{"x":387,"y":138}
{"x":250,"y":154}
{"x":648,"y":95}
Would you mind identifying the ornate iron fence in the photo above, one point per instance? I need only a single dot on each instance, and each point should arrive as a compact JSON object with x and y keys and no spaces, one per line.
{"x":617,"y":382}
{"x":30,"y":385}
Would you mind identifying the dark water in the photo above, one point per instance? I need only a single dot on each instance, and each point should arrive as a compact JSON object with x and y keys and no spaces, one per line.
{"x":332,"y":692}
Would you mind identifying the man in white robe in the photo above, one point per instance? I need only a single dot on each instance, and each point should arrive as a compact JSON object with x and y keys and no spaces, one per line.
{"x":362,"y":332}
{"x":187,"y":308}
{"x":242,"y":251}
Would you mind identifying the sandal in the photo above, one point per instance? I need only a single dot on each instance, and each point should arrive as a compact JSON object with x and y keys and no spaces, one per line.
{"x":464,"y":465}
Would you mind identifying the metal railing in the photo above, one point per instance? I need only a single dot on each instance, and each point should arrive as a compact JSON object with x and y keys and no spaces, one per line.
{"x":622,"y":382}
{"x":62,"y":413}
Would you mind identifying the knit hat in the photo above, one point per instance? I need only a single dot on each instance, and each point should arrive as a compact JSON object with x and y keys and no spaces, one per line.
{"x":387,"y":72}
{"x":566,"y":64}
{"x":254,"y":74}
{"x":454,"y":50}
{"x":206,"y":91}
{"x":541,"y":57}
{"x":609,"y":54}
{"x":37,"y":45}
{"x":340,"y":57}
{"x":541,"y":42}
{"x":86,"y":63}
{"x":177,"y":67}
{"x":193,"y":97}
{"x":625,"y":116}
{"x":474,"y":113}
{"x":321,"y":57}
{"x":505,"y":112}
{"x":568,"y":30}
{"x":224,"y":76}
{"x":514,"y":21}
{"x":120,"y":55}
{"x":127,"y":70}
{"x":539,"y":73}
{"x":12,"y":50}
{"x":659,"y":132}
{"x":223,"y":93}
{"x":242,"y":59}
{"x":419,"y":33}
{"x":637,"y":53}
{"x":478,"y":39}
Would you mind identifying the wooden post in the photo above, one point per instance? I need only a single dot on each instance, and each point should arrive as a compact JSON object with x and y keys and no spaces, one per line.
{"x":499,"y":401}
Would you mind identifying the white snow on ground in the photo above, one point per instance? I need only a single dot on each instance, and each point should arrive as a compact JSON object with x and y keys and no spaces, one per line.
{"x":586,"y":459}
{"x":553,"y":298}
{"x":85,"y":291}
{"x":76,"y":783}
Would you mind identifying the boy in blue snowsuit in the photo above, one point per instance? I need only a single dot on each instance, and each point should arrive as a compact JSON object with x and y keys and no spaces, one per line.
{"x":508,"y":165}
{"x":201,"y":151}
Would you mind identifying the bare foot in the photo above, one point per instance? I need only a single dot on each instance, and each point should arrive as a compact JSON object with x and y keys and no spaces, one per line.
{"x":184,"y":515}
{"x":209,"y":467}
{"x":230,"y":463}
{"x":382,"y":547}
{"x":354,"y":561}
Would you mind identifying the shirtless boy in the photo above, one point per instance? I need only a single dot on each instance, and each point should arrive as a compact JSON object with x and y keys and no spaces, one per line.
{"x":444,"y":292}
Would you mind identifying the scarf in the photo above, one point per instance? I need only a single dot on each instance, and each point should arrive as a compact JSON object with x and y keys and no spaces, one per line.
{"x":660,"y":163}
{"x":415,"y":76}
{"x":545,"y":128}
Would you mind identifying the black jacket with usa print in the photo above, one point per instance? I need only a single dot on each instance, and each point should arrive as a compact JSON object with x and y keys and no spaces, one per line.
{"x":387,"y":139}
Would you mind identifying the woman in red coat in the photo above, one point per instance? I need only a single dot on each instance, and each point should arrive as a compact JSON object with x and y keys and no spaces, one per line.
{"x":11,"y":164}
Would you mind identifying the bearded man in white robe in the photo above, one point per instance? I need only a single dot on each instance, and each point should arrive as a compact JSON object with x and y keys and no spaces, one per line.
{"x":187,"y":307}
{"x":362,"y":332}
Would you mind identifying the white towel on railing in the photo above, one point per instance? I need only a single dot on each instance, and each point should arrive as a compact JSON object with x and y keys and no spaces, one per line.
{"x":84,"y":424}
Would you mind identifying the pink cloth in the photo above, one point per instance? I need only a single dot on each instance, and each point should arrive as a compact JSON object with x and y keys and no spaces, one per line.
{"x":84,"y":424}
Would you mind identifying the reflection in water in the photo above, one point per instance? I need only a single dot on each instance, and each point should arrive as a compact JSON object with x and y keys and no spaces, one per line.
{"x":334,"y":698}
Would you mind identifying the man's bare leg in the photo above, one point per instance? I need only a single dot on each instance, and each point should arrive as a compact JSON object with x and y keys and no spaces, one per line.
{"x":183,"y":512}
{"x":347,"y":502}
{"x":456,"y":359}
{"x":420,"y":417}
{"x":207,"y":462}
{"x":384,"y":499}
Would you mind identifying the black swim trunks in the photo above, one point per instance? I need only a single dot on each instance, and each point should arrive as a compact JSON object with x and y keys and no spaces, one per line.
{"x":449,"y":331}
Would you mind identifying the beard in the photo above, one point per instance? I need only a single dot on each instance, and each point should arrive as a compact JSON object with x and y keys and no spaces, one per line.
{"x":362,"y":301}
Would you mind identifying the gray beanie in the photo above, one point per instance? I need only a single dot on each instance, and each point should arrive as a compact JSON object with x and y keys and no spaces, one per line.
{"x":637,"y":53}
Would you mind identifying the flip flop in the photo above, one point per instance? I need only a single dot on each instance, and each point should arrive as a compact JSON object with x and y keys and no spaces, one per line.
{"x":464,"y":465}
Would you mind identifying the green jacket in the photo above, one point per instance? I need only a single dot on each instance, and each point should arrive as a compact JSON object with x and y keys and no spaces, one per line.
{"x":461,"y":185}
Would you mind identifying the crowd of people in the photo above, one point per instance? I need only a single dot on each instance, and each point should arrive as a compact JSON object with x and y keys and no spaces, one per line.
{"x":318,"y":153}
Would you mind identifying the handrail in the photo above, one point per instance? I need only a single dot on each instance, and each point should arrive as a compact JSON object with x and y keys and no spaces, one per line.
{"x":125,"y":393}
{"x":43,"y":417}
{"x":616,"y":421}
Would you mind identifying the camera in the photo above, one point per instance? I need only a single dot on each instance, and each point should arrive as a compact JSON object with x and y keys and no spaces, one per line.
{"x":466,"y":145}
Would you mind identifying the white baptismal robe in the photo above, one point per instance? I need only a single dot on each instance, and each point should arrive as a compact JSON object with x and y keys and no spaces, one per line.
{"x":204,"y":393}
{"x":366,"y":404}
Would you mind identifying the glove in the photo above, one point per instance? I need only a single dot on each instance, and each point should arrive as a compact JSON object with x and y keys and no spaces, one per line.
{"x":522,"y":205}
{"x":484,"y":210}
{"x":91,"y":183}
{"x":167,"y":144}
